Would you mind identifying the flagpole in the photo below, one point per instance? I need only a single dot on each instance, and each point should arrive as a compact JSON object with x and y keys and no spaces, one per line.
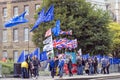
{"x":28,"y":40}
{"x":52,"y":46}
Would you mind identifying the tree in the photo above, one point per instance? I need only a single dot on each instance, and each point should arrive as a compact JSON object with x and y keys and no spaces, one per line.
{"x":115,"y":33}
{"x":89,"y":25}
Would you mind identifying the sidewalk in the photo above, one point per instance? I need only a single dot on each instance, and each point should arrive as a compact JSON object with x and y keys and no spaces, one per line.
{"x":74,"y":77}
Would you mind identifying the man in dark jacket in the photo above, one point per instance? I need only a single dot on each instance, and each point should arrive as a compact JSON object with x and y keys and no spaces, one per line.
{"x":70,"y":67}
{"x":36,"y":64}
{"x":95,"y":65}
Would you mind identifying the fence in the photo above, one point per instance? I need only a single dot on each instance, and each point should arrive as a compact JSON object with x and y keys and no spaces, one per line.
{"x":114,"y":68}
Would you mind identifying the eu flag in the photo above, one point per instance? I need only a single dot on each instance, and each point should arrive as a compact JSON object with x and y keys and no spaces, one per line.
{"x":49,"y":16}
{"x":39,"y":20}
{"x":37,"y":52}
{"x":21,"y":57}
{"x":56,"y":29}
{"x":43,"y":56}
{"x":86,"y":56}
{"x":16,"y":20}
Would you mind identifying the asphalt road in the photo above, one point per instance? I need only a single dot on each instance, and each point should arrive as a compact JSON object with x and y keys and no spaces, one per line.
{"x":105,"y":79}
{"x":112,"y":76}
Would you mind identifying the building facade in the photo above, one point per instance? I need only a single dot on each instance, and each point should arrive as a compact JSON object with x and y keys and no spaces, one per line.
{"x":113,"y":6}
{"x":18,"y":38}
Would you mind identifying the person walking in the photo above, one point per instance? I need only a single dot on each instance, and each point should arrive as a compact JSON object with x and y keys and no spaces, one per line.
{"x":91,"y":66}
{"x":87,"y":67}
{"x":95,"y":65}
{"x":70,"y":67}
{"x":60,"y":66}
{"x":52,"y":67}
{"x":104,"y":64}
{"x":24,"y":68}
{"x":79,"y":66}
{"x":56,"y":66}
{"x":35,"y":68}
{"x":107,"y":66}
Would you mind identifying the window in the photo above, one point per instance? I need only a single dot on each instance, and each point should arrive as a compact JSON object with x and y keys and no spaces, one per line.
{"x":26,"y":34}
{"x":15,"y":12}
{"x":37,"y":6}
{"x":15,"y":55}
{"x":4,"y":12}
{"x":4,"y":35}
{"x":5,"y":54}
{"x":26,"y":9}
{"x":15,"y":35}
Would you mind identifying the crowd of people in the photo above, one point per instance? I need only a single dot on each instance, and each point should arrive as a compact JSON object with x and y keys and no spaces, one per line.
{"x":89,"y":66}
{"x":30,"y":67}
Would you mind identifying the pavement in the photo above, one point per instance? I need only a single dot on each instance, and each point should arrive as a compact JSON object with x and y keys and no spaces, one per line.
{"x":110,"y":76}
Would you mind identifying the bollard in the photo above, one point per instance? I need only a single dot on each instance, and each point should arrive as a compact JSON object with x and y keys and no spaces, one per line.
{"x":0,"y":70}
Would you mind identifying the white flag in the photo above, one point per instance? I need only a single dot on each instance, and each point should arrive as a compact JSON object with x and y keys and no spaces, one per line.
{"x":48,"y":40}
{"x":48,"y":47}
{"x":80,"y":52}
{"x":48,"y":33}
{"x":49,"y":52}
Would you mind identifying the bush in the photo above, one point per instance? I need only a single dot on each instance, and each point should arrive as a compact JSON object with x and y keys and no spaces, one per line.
{"x":7,"y":67}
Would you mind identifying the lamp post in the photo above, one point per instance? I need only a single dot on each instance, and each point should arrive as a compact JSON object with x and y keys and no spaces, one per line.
{"x":28,"y":40}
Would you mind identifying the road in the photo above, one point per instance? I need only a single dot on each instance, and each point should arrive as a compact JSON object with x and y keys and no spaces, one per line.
{"x":105,"y":79}
{"x":112,"y":76}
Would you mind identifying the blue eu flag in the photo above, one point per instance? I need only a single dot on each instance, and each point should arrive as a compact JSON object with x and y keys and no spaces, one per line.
{"x":49,"y":16}
{"x":37,"y":52}
{"x":16,"y":20}
{"x":39,"y":20}
{"x":56,"y":29}
{"x":44,"y":17}
{"x":43,"y":56}
{"x":21,"y":57}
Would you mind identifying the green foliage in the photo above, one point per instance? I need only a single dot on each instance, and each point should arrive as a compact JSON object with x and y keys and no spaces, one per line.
{"x":115,"y":33}
{"x":89,"y":25}
{"x":7,"y":67}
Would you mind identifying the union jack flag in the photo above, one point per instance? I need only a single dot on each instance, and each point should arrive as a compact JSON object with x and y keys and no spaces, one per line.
{"x":57,"y":43}
{"x":66,"y":32}
{"x":65,"y":43}
{"x":69,"y":44}
{"x":72,"y":44}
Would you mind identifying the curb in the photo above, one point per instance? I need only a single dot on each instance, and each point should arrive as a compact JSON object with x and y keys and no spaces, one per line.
{"x":91,"y":77}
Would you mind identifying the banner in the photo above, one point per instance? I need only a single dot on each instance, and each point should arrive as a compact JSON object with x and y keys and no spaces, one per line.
{"x":48,"y":47}
{"x":48,"y":40}
{"x":71,"y":55}
{"x":74,"y":69}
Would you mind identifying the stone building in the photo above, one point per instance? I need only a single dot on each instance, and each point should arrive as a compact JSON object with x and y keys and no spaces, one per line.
{"x":15,"y":39}
{"x":113,"y":6}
